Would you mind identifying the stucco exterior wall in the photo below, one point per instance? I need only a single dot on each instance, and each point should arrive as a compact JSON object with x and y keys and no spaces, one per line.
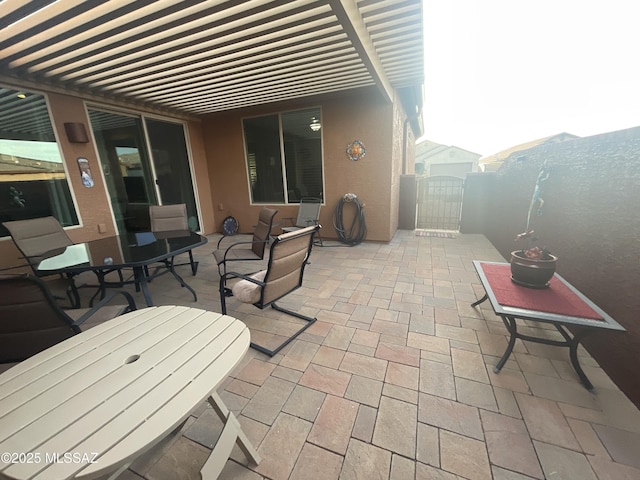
{"x":590,"y":221}
{"x":363,"y":116}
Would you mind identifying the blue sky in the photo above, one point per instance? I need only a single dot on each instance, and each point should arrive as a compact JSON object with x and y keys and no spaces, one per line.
{"x":503,"y":72}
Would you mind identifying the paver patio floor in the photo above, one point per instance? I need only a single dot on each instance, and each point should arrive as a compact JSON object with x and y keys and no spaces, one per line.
{"x":395,"y":380}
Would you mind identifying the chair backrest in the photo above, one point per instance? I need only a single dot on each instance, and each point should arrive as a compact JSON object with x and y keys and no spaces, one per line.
{"x":166,"y":218}
{"x":30,"y":319}
{"x":308,"y":212}
{"x":287,"y":259}
{"x":38,"y":235}
{"x":262,"y":231}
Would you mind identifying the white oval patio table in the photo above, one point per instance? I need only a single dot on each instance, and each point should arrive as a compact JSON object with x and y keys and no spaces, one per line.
{"x":92,"y":404}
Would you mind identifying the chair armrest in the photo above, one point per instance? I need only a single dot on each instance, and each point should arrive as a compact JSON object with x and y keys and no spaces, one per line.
{"x":130,"y":307}
{"x":228,"y":236}
{"x":233,"y":245}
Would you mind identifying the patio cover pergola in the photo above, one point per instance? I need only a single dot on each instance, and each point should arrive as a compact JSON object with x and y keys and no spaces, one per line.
{"x":193,"y":57}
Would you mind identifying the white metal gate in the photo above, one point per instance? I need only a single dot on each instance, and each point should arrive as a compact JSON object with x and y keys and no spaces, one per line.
{"x":439,"y":203}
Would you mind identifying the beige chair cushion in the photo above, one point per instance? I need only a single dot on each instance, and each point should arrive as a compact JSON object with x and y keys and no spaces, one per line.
{"x":246,"y":291}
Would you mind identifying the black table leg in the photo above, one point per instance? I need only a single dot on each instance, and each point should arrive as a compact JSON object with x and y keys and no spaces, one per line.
{"x":569,"y":341}
{"x":573,"y":344}
{"x":486,"y":297}
{"x":141,"y":280}
{"x":510,"y":323}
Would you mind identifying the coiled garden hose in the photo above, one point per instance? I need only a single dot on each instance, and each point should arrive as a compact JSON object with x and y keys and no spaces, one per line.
{"x":357,"y":232}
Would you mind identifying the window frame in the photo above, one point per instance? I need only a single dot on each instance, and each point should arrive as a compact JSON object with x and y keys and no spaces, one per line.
{"x":283,"y":167}
{"x":65,"y":166}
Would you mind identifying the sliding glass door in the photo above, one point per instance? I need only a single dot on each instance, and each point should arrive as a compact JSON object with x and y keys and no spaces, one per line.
{"x":145,"y":162}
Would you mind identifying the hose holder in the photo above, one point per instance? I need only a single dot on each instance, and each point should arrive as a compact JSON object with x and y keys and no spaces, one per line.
{"x":349,"y":197}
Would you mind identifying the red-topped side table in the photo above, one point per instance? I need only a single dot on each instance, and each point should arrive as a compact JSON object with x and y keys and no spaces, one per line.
{"x":560,"y":304}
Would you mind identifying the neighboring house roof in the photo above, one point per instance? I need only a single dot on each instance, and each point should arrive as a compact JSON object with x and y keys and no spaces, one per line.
{"x":426,"y":150}
{"x":493,"y":162}
{"x":194,"y":58}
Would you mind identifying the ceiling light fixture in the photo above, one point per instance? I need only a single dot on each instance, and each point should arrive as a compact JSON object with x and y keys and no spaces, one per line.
{"x":315,"y":124}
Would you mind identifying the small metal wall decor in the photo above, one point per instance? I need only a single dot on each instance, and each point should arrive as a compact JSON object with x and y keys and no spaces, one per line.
{"x":85,"y":172}
{"x":356,"y":150}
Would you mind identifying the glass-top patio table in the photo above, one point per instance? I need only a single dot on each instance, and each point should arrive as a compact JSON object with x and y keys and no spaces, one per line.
{"x":137,"y":251}
{"x":560,"y":304}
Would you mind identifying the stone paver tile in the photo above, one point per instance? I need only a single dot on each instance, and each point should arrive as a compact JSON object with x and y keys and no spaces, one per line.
{"x":325,"y":379}
{"x":436,"y":357}
{"x":447,"y":316}
{"x":469,"y":365}
{"x":256,"y":372}
{"x":437,"y":379}
{"x":534,"y":364}
{"x":428,"y":342}
{"x":402,"y":375}
{"x":507,"y":404}
{"x":560,"y":390}
{"x":608,"y":470}
{"x":399,"y":354}
{"x":400,"y":393}
{"x":365,"y":423}
{"x":182,"y":461}
{"x":268,"y":401}
{"x":424,"y":324}
{"x":360,"y":298}
{"x":234,"y":402}
{"x":364,"y":390}
{"x":456,"y":333}
{"x":476,"y":394}
{"x":255,"y":432}
{"x":335,"y":318}
{"x":402,"y":468}
{"x":619,"y":410}
{"x":300,"y":355}
{"x":449,"y":415}
{"x":427,"y":472}
{"x":581,"y":413}
{"x":502,"y":474}
{"x":623,"y":446}
{"x":334,"y":423}
{"x":428,"y":445}
{"x":546,"y":422}
{"x":491,"y":343}
{"x":366,"y":338}
{"x":365,"y":462}
{"x":304,"y":403}
{"x":562,"y":464}
{"x":469,"y":347}
{"x":319,"y":328}
{"x":339,"y":337}
{"x":363,"y":313}
{"x":287,"y":374}
{"x":206,"y":429}
{"x":328,"y":357}
{"x":587,"y":438}
{"x":508,"y":379}
{"x":242,"y":388}
{"x":315,"y":462}
{"x":362,"y":350}
{"x":509,"y":445}
{"x":235,"y":471}
{"x":395,"y":428}
{"x":281,"y":446}
{"x":464,"y":456}
{"x":389,"y":328}
{"x":370,"y":367}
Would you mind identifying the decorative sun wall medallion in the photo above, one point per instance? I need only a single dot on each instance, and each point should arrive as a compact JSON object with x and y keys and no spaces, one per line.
{"x":356,"y":150}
